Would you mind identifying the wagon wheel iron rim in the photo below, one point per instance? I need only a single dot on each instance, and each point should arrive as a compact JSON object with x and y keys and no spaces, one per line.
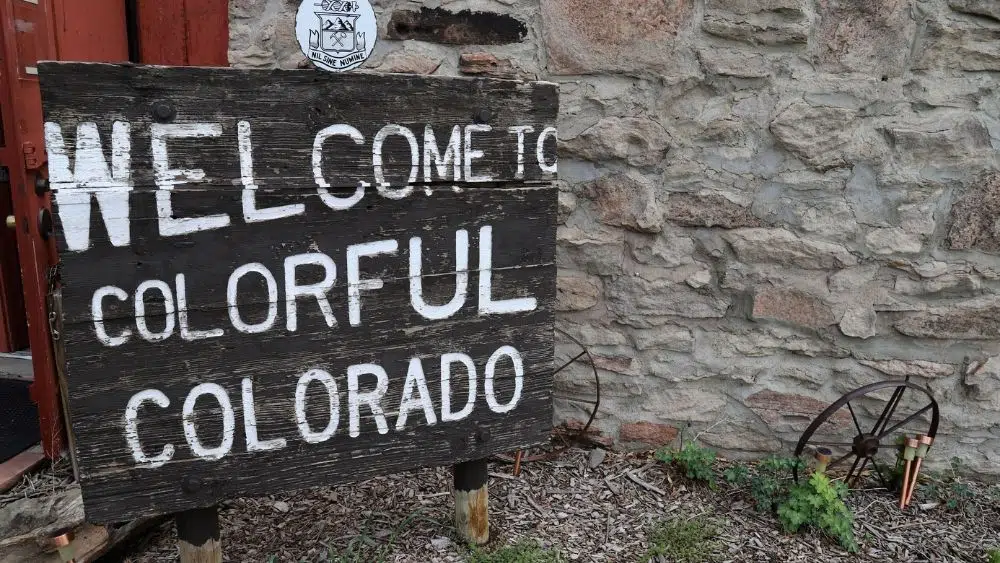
{"x":519,"y":456}
{"x":865,"y":445}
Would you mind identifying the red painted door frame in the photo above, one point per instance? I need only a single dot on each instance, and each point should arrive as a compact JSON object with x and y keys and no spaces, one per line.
{"x":178,"y":32}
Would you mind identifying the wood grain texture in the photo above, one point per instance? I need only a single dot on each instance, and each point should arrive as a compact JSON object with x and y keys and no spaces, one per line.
{"x":286,"y":109}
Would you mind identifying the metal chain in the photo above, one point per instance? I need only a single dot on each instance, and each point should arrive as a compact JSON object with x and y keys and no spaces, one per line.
{"x":53,"y":298}
{"x":52,"y":276}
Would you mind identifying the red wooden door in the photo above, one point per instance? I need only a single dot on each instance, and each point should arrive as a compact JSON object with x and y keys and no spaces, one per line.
{"x":28,"y":38}
{"x":13,"y":319}
{"x":177,"y":32}
{"x":184,"y":32}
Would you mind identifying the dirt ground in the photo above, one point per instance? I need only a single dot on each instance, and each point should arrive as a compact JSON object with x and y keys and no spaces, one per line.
{"x":588,"y":512}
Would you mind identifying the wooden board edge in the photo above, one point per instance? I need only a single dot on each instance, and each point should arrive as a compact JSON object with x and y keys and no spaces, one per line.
{"x":44,"y":65}
{"x":16,"y":467}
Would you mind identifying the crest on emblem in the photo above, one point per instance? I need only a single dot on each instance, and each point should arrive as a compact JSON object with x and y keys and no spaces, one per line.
{"x":338,"y":30}
{"x":336,"y":34}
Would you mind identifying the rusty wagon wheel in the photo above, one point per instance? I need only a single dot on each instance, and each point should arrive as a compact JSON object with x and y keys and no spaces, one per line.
{"x":854,"y":441}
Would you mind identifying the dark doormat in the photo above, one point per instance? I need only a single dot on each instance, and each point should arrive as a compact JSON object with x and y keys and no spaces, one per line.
{"x":18,"y":419}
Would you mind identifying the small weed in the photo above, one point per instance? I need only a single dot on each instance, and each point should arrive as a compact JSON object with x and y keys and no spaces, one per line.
{"x":677,"y":541}
{"x":959,"y":495}
{"x":950,"y":490}
{"x":522,"y":552}
{"x":694,"y":460}
{"x":361,"y":549}
{"x":819,"y":503}
{"x":366,"y":548}
{"x":994,"y":555}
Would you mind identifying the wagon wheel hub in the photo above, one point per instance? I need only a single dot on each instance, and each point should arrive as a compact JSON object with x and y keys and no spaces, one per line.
{"x":866,"y":445}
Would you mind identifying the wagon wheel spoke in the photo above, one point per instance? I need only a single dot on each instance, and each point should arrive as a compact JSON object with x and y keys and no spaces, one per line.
{"x":905,"y":421}
{"x":889,"y":410}
{"x":881,"y":476}
{"x":567,"y":364}
{"x":839,"y":459}
{"x":847,"y":479}
{"x":854,"y":417}
{"x":830,"y":444}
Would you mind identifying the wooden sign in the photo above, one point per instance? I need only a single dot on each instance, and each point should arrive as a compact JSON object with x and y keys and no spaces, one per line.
{"x":275,"y":280}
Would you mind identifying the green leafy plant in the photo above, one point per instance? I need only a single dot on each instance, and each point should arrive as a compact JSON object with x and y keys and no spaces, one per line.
{"x":768,"y":483}
{"x":522,"y":552}
{"x":738,"y":475}
{"x":683,"y":541}
{"x":819,"y":503}
{"x":994,"y":555}
{"x":694,"y":460}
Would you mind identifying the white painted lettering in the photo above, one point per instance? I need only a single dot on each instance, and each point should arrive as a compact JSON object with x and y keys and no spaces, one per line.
{"x":355,"y":285}
{"x":438,"y":312}
{"x":156,"y":397}
{"x":254,"y":444}
{"x":415,"y":379}
{"x":447,"y":415}
{"x":97,"y":313}
{"x":301,"y":388}
{"x":232,"y":290}
{"x":540,"y":152}
{"x":380,"y":183}
{"x":90,"y":179}
{"x":487,"y":306}
{"x":167,"y":178}
{"x":371,"y":398}
{"x":491,"y":366}
{"x":452,"y":155}
{"x":471,"y":154}
{"x":251,"y":214}
{"x":318,"y":290}
{"x":334,"y":202}
{"x":168,"y":310}
{"x":228,"y":422}
{"x":182,"y":316}
{"x":520,"y":131}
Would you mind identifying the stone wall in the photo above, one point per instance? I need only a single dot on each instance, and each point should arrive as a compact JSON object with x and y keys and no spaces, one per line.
{"x":765,"y":203}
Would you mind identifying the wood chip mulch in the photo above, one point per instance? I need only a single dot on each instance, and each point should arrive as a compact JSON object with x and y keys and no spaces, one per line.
{"x":587,"y":508}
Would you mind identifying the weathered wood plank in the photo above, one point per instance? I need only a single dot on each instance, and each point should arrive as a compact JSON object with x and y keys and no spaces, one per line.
{"x":238,"y":321}
{"x":514,"y":214}
{"x":286,"y":109}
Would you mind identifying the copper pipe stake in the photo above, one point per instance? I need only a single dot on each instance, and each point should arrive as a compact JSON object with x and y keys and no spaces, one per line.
{"x":925,"y":444}
{"x":64,"y":544}
{"x":823,"y":456}
{"x":517,"y":462}
{"x":909,"y":452}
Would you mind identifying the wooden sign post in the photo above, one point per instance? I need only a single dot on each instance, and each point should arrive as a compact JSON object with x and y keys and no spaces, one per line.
{"x":275,"y":280}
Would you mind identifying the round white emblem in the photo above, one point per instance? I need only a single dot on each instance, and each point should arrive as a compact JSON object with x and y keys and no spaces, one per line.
{"x":336,"y":35}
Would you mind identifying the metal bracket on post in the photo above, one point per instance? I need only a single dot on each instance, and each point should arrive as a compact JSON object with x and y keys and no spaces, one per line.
{"x":32,"y":160}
